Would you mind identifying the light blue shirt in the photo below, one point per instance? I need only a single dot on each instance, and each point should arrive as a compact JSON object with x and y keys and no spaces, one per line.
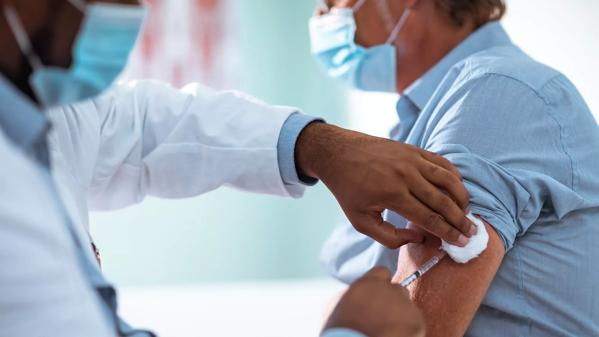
{"x":528,"y":148}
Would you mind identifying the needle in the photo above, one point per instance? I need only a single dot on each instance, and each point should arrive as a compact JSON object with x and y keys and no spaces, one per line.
{"x":423,"y":269}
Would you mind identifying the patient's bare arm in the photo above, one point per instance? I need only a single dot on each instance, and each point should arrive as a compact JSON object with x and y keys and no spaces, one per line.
{"x":450,"y":293}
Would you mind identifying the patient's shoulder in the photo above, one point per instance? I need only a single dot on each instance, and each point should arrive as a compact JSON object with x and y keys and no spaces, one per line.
{"x":509,"y":86}
{"x":505,"y":79}
{"x":508,"y":63}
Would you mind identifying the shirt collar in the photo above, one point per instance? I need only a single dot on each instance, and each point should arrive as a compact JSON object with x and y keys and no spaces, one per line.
{"x":20,"y":119}
{"x":490,"y":35}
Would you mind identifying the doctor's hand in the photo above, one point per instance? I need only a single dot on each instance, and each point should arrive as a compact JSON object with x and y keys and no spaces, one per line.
{"x":369,"y":174}
{"x":377,"y":308}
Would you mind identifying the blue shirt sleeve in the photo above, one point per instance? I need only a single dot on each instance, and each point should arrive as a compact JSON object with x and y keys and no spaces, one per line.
{"x":502,"y":137}
{"x":341,"y":332}
{"x":290,"y":132}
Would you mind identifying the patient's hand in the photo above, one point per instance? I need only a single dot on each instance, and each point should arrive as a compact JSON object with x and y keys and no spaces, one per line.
{"x":449,"y":294}
{"x":377,"y":308}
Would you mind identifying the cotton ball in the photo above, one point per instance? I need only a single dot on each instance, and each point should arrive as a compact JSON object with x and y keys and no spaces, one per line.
{"x":476,"y":245}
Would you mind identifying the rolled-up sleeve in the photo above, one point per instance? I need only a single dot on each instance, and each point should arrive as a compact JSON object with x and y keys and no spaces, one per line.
{"x":495,"y":194}
{"x":504,"y":138}
{"x":495,"y":131}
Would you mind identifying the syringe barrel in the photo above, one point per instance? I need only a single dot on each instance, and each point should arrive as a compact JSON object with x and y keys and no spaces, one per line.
{"x":409,"y":280}
{"x":423,"y":269}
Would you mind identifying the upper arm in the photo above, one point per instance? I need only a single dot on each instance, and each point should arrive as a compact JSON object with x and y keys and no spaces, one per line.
{"x":450,"y":293}
{"x":500,"y":136}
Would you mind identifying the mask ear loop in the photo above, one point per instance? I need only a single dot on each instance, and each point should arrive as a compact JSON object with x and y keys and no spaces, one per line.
{"x":385,"y":12}
{"x":16,"y":25}
{"x":399,"y":26}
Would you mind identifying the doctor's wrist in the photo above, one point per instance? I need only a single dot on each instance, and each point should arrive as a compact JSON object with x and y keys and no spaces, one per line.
{"x":315,"y":149}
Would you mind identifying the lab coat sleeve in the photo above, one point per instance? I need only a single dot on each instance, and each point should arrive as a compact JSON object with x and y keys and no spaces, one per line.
{"x":148,"y":138}
{"x":340,"y":332}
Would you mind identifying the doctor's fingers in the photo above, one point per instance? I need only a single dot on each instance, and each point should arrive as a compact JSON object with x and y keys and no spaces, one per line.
{"x":441,"y":161}
{"x":417,"y":212}
{"x":373,"y":225}
{"x":444,"y":175}
{"x":442,"y":204}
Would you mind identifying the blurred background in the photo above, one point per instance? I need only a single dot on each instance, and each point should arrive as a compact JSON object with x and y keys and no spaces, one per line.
{"x":229,"y":253}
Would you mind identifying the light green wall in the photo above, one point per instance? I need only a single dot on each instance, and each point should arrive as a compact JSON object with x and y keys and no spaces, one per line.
{"x":275,"y":53}
{"x":228,"y":235}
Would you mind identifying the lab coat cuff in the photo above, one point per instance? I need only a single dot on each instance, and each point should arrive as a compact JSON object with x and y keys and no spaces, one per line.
{"x":290,"y":132}
{"x":342,"y":332}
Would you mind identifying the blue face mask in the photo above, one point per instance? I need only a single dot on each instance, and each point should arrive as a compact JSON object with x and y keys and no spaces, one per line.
{"x":333,"y":45}
{"x":107,"y":36}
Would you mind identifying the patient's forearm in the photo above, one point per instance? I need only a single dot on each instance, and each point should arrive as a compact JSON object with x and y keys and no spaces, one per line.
{"x":450,"y":294}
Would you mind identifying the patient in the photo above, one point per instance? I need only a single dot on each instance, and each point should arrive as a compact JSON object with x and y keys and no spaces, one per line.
{"x":527,"y":147}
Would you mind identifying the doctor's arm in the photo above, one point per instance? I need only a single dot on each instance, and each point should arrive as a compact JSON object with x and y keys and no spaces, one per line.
{"x":152,"y":139}
{"x":369,"y":174}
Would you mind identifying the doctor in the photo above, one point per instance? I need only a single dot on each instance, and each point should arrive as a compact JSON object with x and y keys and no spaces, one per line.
{"x":114,"y":147}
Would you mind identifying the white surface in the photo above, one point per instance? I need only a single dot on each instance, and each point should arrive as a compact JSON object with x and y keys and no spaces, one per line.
{"x":476,"y":245}
{"x":562,"y":34}
{"x":269,"y":309}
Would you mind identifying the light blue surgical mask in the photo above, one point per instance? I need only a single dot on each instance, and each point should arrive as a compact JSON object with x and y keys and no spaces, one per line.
{"x":333,"y":45}
{"x":101,"y":51}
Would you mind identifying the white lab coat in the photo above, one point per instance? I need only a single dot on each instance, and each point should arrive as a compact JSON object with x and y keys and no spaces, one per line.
{"x":147,"y":138}
{"x":140,"y":139}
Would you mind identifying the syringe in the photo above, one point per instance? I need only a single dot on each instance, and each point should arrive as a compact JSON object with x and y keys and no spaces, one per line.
{"x":423,"y":269}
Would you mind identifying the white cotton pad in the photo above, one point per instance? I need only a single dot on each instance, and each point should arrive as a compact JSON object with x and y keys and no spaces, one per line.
{"x":476,"y":245}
